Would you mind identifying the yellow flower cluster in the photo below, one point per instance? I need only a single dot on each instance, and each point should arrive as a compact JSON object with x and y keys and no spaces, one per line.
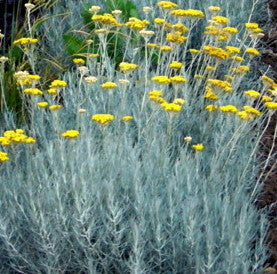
{"x":232,"y":50}
{"x":79,"y":61}
{"x":198,"y":147}
{"x":58,"y":84}
{"x":251,"y":25}
{"x":15,"y":136}
{"x":109,"y":85}
{"x":216,"y":52}
{"x":271,"y":105}
{"x":228,"y":108}
{"x":214,"y":8}
{"x":135,"y":23}
{"x":33,"y":91}
{"x":178,"y":79}
{"x":252,"y":93}
{"x":42,"y":104}
{"x":159,"y":21}
{"x":127,"y":118}
{"x":210,"y":94}
{"x":106,"y":19}
{"x":55,"y":107}
{"x":244,"y":115}
{"x":103,"y":119}
{"x":70,"y":134}
{"x":179,"y":101}
{"x":171,"y":107}
{"x":188,"y":13}
{"x":224,"y":85}
{"x":194,"y":51}
{"x":161,"y":79}
{"x":25,"y":41}
{"x":167,"y":5}
{"x":181,"y":28}
{"x":165,"y":48}
{"x":252,"y":51}
{"x":3,"y":157}
{"x":237,"y":58}
{"x":251,"y":110}
{"x":125,"y":67}
{"x":220,"y":20}
{"x":175,"y":65}
{"x":175,"y":37}
{"x":211,"y":108}
{"x":156,"y":93}
{"x":240,"y":70}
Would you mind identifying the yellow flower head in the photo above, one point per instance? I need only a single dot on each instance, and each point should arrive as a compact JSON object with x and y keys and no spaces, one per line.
{"x":33,"y":91}
{"x":252,"y":110}
{"x":79,"y":61}
{"x":210,"y":94}
{"x":55,"y":107}
{"x":252,"y":51}
{"x":175,"y":65}
{"x":216,"y":52}
{"x":240,"y":70}
{"x":156,"y":93}
{"x":237,"y":58}
{"x":70,"y":134}
{"x":157,"y":99}
{"x":220,"y":20}
{"x":224,"y":85}
{"x":271,"y":105}
{"x":42,"y":104}
{"x":106,"y":19}
{"x":194,"y":51}
{"x":252,"y":93}
{"x":103,"y":119}
{"x":137,"y":24}
{"x":176,"y":37}
{"x":58,"y":84}
{"x":228,"y":108}
{"x":161,"y":79}
{"x":232,"y":49}
{"x":127,"y":118}
{"x":171,"y":107}
{"x":267,"y":99}
{"x":165,"y":48}
{"x":181,"y":28}
{"x":251,"y":25}
{"x":179,"y":101}
{"x":244,"y":115}
{"x":93,"y":55}
{"x":125,"y":67}
{"x":52,"y":91}
{"x":25,"y":41}
{"x":4,"y":157}
{"x":188,"y":13}
{"x":211,"y":108}
{"x":214,"y":8}
{"x":159,"y":21}
{"x":198,"y":147}
{"x":109,"y":85}
{"x":178,"y":79}
{"x":167,"y":5}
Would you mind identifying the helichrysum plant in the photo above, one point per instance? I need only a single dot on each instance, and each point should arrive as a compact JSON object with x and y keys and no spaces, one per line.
{"x":146,"y":166}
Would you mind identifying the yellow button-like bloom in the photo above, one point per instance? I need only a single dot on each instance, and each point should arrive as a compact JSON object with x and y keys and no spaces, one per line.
{"x":252,"y":110}
{"x":198,"y":147}
{"x":188,"y":13}
{"x":167,"y":5}
{"x":180,"y":27}
{"x":25,"y":41}
{"x":212,"y":30}
{"x":156,"y":93}
{"x":58,"y":84}
{"x":109,"y":85}
{"x":220,"y":20}
{"x":159,"y":21}
{"x":179,"y":101}
{"x":252,"y":51}
{"x":216,"y":52}
{"x":125,"y":67}
{"x":176,"y":37}
{"x":70,"y":134}
{"x":79,"y":61}
{"x":252,"y":93}
{"x":230,"y":30}
{"x":251,"y":25}
{"x":171,"y":107}
{"x":232,"y":49}
{"x":165,"y":48}
{"x":29,"y":140}
{"x":267,"y":81}
{"x":152,"y":45}
{"x":210,"y":68}
{"x":103,"y":119}
{"x":240,"y":69}
{"x":178,"y":79}
{"x":194,"y":51}
{"x":157,"y":99}
{"x":4,"y":141}
{"x":4,"y":157}
{"x":33,"y":91}
{"x":214,"y":8}
{"x":224,"y":85}
{"x":55,"y":107}
{"x":245,"y":115}
{"x":135,"y":23}
{"x":127,"y":118}
{"x":228,"y":108}
{"x":106,"y":19}
{"x":237,"y":58}
{"x":52,"y":91}
{"x":175,"y":65}
{"x":210,"y":94}
{"x":42,"y":104}
{"x":211,"y":108}
{"x":161,"y":79}
{"x":93,"y":55}
{"x":271,"y":105}
{"x":267,"y":99}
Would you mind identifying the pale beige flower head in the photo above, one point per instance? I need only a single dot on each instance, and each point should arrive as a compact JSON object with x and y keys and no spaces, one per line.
{"x":90,"y":79}
{"x":147,"y":9}
{"x":116,"y":12}
{"x":29,"y":6}
{"x":188,"y":139}
{"x":123,"y":81}
{"x":82,"y":110}
{"x":94,"y":9}
{"x":3,"y":59}
{"x":83,"y":70}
